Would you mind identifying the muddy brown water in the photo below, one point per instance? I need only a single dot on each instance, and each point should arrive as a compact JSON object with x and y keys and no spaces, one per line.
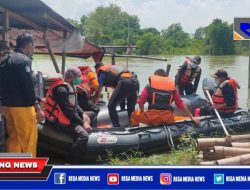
{"x":237,"y":67}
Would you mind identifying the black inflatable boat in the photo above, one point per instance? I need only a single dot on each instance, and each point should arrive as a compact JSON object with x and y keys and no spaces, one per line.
{"x":146,"y":139}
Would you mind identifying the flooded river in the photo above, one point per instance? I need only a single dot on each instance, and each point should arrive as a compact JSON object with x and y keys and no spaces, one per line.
{"x":237,"y":67}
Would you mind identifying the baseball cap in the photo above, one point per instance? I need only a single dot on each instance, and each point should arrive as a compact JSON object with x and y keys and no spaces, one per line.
{"x":221,"y":73}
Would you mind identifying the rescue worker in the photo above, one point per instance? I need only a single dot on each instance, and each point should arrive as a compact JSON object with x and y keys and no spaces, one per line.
{"x":19,"y":103}
{"x":159,"y":93}
{"x":188,"y":76}
{"x":125,"y":86}
{"x":86,"y":90}
{"x":225,"y":98}
{"x":63,"y":112}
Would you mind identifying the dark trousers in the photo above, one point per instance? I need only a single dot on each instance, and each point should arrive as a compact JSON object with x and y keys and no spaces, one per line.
{"x":86,"y":104}
{"x":93,"y":118}
{"x":80,"y":143}
{"x":208,"y":110}
{"x":126,"y":89}
{"x":187,"y":88}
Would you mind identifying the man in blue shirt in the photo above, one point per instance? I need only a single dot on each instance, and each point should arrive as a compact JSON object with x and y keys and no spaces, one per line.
{"x":125,"y":86}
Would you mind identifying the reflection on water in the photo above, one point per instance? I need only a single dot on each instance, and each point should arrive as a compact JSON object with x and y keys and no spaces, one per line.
{"x":237,"y":67}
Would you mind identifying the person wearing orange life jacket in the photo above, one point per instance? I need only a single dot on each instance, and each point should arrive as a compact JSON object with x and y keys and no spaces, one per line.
{"x":90,"y":78}
{"x":188,"y":76}
{"x":85,"y":90}
{"x":125,"y":85}
{"x":225,"y":98}
{"x":63,"y":112}
{"x":159,"y":93}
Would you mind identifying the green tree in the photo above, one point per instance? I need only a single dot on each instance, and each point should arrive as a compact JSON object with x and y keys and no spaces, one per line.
{"x":200,"y":33}
{"x":149,"y":44}
{"x":107,"y":25}
{"x":79,"y":24}
{"x":219,"y":40}
{"x":174,"y":38}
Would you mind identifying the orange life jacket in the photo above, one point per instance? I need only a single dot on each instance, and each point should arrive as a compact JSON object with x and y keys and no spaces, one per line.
{"x":84,"y":87}
{"x":188,"y":76}
{"x":53,"y":112}
{"x":113,"y":74}
{"x":85,"y":69}
{"x":219,"y":99}
{"x":161,"y":93}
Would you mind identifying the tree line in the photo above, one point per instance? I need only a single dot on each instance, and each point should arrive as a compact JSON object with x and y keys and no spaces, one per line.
{"x":111,"y":26}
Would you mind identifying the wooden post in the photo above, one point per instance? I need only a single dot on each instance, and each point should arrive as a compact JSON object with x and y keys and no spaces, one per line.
{"x":5,"y":35}
{"x":63,"y":54}
{"x":46,"y":41}
{"x":113,"y":59}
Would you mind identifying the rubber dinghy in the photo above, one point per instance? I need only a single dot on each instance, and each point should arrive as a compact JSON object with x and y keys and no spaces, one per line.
{"x":147,"y":139}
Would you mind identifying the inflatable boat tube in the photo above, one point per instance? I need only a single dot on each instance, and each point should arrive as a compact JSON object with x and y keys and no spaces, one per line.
{"x":147,"y":140}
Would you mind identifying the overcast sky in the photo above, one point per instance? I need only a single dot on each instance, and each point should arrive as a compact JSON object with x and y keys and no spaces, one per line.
{"x":161,"y":13}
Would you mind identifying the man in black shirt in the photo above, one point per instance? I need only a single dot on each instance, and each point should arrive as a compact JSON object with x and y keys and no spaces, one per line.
{"x":225,"y":98}
{"x":63,"y":111}
{"x":19,"y":104}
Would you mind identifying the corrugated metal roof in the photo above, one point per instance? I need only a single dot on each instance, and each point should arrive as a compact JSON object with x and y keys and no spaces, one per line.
{"x":36,"y":11}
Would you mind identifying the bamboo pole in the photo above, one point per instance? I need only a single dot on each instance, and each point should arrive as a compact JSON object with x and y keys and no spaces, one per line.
{"x":241,"y":144}
{"x":209,"y":143}
{"x":137,"y":56}
{"x":210,"y":155}
{"x":208,"y":163}
{"x":236,"y":160}
{"x":241,"y":138}
{"x":223,"y":152}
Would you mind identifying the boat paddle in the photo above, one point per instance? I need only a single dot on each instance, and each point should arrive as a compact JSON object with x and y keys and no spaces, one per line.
{"x":217,"y":114}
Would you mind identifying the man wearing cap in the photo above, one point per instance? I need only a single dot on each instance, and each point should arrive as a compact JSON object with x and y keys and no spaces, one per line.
{"x":225,"y":97}
{"x":63,"y":111}
{"x":188,"y":76}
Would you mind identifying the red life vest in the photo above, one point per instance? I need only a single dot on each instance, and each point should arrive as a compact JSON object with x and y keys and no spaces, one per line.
{"x":84,"y":87}
{"x":53,"y":112}
{"x":218,"y":98}
{"x":85,"y":70}
{"x":160,"y":93}
{"x":188,"y":76}
{"x":113,"y":74}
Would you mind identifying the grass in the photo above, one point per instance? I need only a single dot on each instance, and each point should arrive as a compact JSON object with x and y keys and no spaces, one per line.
{"x":176,"y":157}
{"x":185,"y":154}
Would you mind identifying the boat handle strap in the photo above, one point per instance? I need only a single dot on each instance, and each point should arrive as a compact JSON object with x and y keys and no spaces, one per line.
{"x":144,"y":136}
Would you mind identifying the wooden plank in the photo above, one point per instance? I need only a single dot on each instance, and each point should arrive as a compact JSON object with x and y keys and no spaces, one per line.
{"x":51,"y":53}
{"x":63,"y":54}
{"x":63,"y":27}
{"x":137,"y":56}
{"x":23,"y":19}
{"x":5,"y":35}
